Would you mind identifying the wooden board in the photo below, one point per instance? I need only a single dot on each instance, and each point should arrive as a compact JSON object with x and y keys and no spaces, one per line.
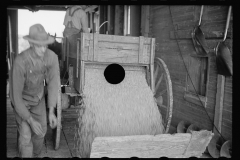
{"x":219,"y":104}
{"x":118,"y":49}
{"x":149,"y":146}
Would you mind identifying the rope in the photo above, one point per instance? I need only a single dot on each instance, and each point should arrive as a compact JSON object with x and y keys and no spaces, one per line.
{"x":190,"y":77}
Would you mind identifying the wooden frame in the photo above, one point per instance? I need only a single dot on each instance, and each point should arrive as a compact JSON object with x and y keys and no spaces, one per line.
{"x":107,"y":49}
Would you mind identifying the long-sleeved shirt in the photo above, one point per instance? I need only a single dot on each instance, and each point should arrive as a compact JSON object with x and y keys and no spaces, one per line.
{"x":27,"y":80}
{"x":77,"y":16}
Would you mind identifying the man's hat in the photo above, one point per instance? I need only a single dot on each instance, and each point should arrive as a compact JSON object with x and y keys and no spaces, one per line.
{"x":38,"y":35}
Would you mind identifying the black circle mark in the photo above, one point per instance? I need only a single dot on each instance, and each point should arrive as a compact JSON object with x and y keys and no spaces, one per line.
{"x":114,"y":73}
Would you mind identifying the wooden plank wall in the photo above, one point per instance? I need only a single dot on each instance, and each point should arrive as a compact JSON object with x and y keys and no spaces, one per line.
{"x":213,"y":25}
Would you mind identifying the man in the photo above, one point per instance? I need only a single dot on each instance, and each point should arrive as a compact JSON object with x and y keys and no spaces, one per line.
{"x":75,"y":20}
{"x":29,"y":70}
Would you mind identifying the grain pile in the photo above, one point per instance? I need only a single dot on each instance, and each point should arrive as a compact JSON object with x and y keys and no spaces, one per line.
{"x":127,"y":108}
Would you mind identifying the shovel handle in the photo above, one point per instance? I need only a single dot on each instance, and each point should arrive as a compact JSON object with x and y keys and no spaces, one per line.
{"x":227,"y":24}
{"x":200,"y":20}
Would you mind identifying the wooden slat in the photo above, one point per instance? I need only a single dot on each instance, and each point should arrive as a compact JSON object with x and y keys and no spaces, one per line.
{"x":219,"y":104}
{"x":113,"y":45}
{"x":117,"y":39}
{"x":95,"y":47}
{"x":114,"y":50}
{"x":140,"y":146}
{"x":140,"y":51}
{"x":148,"y":146}
{"x":120,"y":56}
{"x":90,"y":47}
{"x":227,"y":115}
{"x":152,"y":56}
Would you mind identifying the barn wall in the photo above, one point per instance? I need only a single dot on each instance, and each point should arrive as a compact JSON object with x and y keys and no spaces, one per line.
{"x":213,"y":25}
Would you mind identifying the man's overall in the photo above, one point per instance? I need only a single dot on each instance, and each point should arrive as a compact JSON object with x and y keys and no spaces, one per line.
{"x":28,"y":99}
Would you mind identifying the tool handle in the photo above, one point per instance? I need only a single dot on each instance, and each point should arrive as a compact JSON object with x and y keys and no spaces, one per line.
{"x":77,"y":58}
{"x":200,"y":20}
{"x":227,"y":24}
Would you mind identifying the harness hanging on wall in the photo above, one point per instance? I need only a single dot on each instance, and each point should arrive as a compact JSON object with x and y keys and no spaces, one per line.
{"x":223,"y":55}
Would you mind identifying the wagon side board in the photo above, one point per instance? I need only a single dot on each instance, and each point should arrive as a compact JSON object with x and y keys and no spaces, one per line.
{"x":180,"y":145}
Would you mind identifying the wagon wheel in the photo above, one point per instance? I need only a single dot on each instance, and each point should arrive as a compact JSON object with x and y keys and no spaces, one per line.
{"x":163,"y":91}
{"x":58,"y":112}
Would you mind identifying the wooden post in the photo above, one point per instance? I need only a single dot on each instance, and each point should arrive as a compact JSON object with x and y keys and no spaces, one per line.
{"x":145,"y":21}
{"x":219,"y":104}
{"x":95,"y":47}
{"x":109,"y":19}
{"x":140,"y":51}
{"x":67,"y":42}
{"x":63,"y":48}
{"x":91,"y":21}
{"x":119,"y":20}
{"x":152,"y":55}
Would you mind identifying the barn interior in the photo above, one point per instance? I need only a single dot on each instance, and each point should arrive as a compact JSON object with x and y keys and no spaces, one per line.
{"x":200,"y":95}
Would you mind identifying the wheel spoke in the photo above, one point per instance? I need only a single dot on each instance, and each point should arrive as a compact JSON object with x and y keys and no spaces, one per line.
{"x":159,"y":81}
{"x":163,"y":106}
{"x":162,"y":92}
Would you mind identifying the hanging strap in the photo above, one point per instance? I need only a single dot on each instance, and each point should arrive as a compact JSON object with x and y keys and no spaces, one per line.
{"x":71,"y":15}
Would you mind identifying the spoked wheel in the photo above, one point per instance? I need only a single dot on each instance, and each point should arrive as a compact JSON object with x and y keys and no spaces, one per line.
{"x":58,"y":113}
{"x":163,"y":91}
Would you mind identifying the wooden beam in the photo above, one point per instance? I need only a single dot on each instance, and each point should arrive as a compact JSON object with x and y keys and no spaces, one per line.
{"x":119,"y":20}
{"x":145,"y":20}
{"x":109,"y":19}
{"x":219,"y":104}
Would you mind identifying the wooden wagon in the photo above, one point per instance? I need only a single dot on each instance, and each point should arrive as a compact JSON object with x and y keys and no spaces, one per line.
{"x":139,"y":52}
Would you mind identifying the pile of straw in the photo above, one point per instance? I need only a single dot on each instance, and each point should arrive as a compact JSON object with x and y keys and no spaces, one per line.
{"x":127,"y":108}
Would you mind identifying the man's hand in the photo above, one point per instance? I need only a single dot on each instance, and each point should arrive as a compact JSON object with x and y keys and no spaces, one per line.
{"x":52,"y":118}
{"x":36,"y":126}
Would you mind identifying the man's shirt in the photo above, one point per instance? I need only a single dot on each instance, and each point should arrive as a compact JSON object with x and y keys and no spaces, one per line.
{"x":27,"y":76}
{"x":74,"y":17}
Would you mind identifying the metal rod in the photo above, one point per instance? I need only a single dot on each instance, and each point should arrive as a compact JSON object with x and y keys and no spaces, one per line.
{"x":227,"y":24}
{"x":200,"y":20}
{"x":101,"y":26}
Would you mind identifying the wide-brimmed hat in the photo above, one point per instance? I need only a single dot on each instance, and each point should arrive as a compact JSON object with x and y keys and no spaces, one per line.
{"x":38,"y":35}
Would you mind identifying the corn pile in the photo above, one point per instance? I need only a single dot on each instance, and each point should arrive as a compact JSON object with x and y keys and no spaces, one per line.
{"x":127,"y":108}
